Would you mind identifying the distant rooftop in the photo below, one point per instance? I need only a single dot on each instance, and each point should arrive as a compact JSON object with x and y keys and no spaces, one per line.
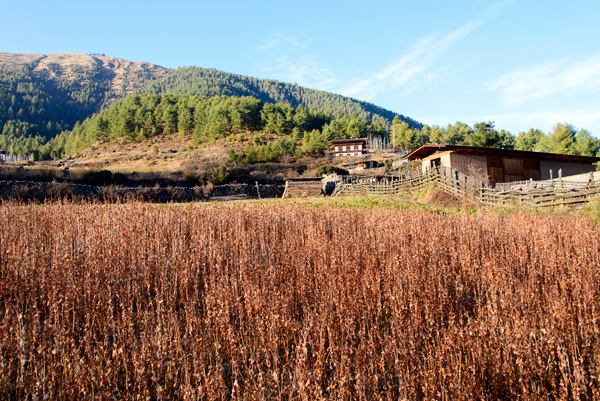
{"x":341,"y":141}
{"x":428,"y":150}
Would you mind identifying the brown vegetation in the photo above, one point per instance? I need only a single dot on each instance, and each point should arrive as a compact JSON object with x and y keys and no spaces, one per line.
{"x":275,"y":301}
{"x":434,"y":195}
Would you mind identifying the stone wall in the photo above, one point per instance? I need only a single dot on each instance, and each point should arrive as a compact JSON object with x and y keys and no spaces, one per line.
{"x":41,"y":191}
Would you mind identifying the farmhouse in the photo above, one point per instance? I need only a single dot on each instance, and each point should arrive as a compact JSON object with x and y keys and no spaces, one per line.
{"x":349,"y":147}
{"x":502,"y":165}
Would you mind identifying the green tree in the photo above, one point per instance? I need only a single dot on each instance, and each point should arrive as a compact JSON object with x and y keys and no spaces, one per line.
{"x":251,"y":155}
{"x":457,"y":134}
{"x":530,"y":140}
{"x":265,"y":153}
{"x":301,"y":118}
{"x":585,"y":144}
{"x":314,"y":142}
{"x":376,"y":129}
{"x":102,"y":128}
{"x":507,"y":140}
{"x":125,"y":124}
{"x":405,"y":137}
{"x":560,"y":140}
{"x":485,"y":135}
{"x":282,"y":145}
{"x":185,"y":121}
{"x":169,"y":120}
{"x":356,"y":128}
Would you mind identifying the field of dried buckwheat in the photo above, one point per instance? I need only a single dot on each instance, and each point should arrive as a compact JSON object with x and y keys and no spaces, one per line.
{"x":292,"y":301}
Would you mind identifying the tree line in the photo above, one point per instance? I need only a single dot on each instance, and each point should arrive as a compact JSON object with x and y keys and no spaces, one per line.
{"x":272,"y":130}
{"x":298,"y":130}
{"x":564,"y":138}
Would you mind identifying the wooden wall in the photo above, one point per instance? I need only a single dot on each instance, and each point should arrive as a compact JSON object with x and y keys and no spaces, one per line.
{"x":567,"y":169}
{"x":496,"y":169}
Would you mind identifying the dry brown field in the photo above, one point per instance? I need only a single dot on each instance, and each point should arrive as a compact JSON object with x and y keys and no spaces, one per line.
{"x":296,"y":301}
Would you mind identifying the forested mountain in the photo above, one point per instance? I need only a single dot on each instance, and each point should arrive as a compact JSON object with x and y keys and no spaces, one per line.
{"x":209,"y":82}
{"x":43,"y":95}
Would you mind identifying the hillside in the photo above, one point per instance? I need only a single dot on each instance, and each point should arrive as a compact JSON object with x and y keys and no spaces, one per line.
{"x":44,"y":95}
{"x":209,"y":82}
{"x":267,"y":130}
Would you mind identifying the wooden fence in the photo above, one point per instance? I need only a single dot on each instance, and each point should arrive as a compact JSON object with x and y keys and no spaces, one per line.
{"x":528,"y":193}
{"x":306,"y":187}
{"x":539,"y":197}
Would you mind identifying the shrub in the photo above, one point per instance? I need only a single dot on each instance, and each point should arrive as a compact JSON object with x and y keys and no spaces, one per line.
{"x":219,"y":175}
{"x":325,"y":170}
{"x":97,"y":177}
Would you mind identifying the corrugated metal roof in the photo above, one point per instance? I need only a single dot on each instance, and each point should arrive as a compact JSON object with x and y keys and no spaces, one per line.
{"x":334,"y":141}
{"x":427,"y":150}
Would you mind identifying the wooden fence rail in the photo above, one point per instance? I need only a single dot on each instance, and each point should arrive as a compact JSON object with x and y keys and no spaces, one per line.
{"x":528,"y":194}
{"x":303,"y":188}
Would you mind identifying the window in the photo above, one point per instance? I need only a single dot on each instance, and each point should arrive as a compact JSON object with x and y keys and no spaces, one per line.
{"x":343,"y":148}
{"x":359,"y":147}
{"x":352,"y":147}
{"x":337,"y":148}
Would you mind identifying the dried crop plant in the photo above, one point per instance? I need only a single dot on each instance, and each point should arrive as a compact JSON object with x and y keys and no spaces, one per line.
{"x":139,"y":301}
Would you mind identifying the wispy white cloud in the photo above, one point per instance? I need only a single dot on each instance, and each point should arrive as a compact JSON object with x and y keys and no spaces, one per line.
{"x":416,"y":67}
{"x":303,"y":70}
{"x":412,"y":69}
{"x":280,"y":40}
{"x":495,"y":8}
{"x":289,"y":60}
{"x":559,"y":77}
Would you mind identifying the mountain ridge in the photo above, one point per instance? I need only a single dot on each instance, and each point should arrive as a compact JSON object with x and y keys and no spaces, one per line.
{"x":42,"y":95}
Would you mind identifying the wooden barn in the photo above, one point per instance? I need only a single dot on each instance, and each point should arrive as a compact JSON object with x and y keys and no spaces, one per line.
{"x":349,"y":147}
{"x":502,"y":165}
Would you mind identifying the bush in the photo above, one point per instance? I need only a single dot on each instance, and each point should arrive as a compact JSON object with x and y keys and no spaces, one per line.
{"x":119,"y":179}
{"x":219,"y":175}
{"x":240,"y":175}
{"x":326,"y":170}
{"x":97,"y":178}
{"x":191,"y":180}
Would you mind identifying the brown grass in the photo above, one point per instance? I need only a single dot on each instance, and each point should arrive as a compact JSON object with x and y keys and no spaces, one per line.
{"x":438,"y":197}
{"x":273,"y":301}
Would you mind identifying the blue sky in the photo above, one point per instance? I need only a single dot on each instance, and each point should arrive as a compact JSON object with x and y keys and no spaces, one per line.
{"x":521,"y":63}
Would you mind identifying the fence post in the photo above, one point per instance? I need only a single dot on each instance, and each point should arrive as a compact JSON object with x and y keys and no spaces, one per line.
{"x":455,"y":181}
{"x":257,"y":190}
{"x":560,"y":177}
